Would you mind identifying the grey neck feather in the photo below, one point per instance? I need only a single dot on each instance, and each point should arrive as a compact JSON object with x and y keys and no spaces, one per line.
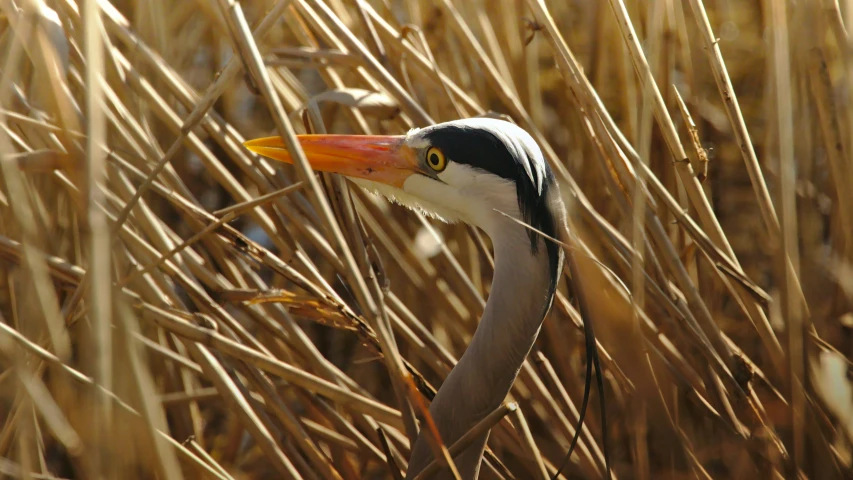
{"x":522,"y":291}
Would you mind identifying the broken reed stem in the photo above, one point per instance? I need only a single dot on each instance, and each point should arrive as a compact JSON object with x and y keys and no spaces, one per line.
{"x":465,"y":440}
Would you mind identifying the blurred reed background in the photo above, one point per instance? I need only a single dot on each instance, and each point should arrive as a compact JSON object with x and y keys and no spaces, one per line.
{"x":173,"y":306}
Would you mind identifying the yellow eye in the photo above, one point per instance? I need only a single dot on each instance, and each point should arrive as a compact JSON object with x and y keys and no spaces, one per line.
{"x":435,"y":159}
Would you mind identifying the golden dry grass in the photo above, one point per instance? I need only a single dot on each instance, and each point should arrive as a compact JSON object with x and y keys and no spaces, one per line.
{"x":173,"y":306}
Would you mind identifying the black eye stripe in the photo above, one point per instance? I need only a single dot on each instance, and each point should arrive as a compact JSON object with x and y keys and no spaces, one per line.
{"x":481,"y":149}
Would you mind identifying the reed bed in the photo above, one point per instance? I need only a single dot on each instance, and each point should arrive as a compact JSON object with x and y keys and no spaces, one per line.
{"x":174,"y":306}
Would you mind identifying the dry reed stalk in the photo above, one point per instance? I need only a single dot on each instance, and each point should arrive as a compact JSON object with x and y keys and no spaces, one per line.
{"x":243,"y":299}
{"x":791,"y":308}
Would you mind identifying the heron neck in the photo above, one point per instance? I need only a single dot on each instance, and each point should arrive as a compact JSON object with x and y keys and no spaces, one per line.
{"x":522,"y":290}
{"x":520,"y":295}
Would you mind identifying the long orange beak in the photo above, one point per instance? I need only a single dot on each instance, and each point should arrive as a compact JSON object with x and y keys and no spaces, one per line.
{"x":380,"y":158}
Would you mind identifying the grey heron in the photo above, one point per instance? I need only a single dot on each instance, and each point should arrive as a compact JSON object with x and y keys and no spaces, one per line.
{"x":490,"y":174}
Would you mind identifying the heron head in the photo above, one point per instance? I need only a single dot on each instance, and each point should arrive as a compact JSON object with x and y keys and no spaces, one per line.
{"x":475,"y":170}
